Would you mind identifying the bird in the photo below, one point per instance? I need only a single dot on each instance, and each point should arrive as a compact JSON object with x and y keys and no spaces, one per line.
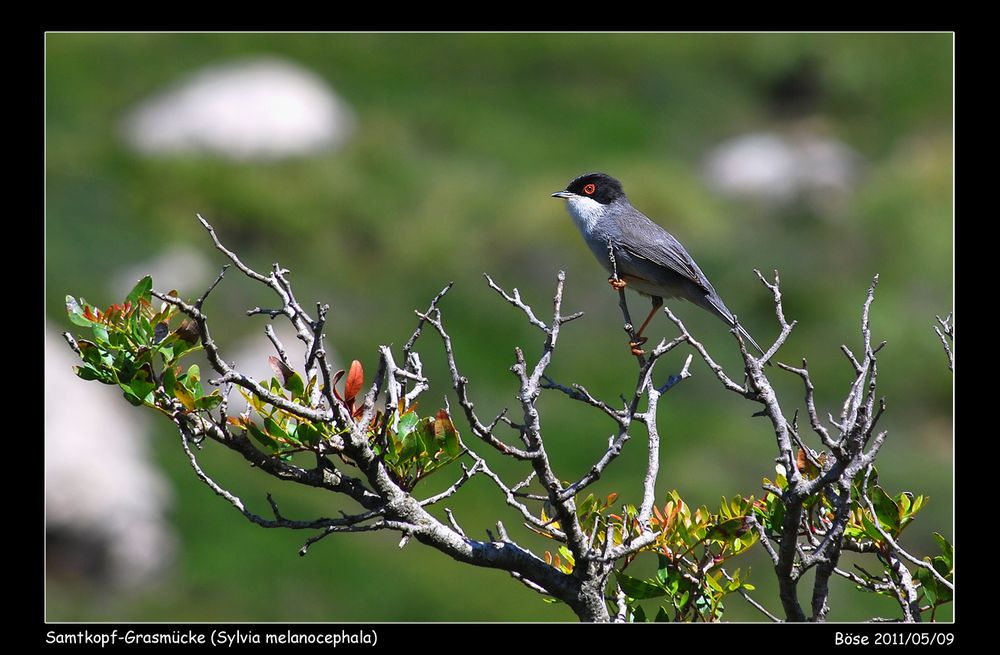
{"x":647,"y":257}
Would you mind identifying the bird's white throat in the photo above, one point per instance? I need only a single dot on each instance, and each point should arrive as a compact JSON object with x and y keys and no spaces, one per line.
{"x":586,"y":212}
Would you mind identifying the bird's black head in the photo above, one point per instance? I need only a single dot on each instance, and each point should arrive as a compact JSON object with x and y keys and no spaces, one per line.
{"x":598,"y":186}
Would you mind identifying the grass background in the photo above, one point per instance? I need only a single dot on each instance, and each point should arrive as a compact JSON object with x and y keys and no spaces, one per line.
{"x":460,"y":140}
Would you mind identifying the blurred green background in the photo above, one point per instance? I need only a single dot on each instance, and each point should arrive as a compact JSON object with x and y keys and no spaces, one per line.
{"x":459,"y":142}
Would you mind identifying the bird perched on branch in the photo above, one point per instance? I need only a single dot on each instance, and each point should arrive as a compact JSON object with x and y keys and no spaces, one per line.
{"x":647,"y":258}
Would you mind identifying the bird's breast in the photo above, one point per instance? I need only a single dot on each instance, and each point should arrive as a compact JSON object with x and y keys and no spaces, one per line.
{"x":587,"y":214}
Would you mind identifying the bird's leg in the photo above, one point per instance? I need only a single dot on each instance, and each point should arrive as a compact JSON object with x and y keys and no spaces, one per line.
{"x":617,"y":283}
{"x":639,"y":339}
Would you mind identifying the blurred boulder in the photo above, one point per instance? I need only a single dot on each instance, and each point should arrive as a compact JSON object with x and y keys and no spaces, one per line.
{"x":782,"y":167}
{"x":256,"y":109}
{"x":105,"y":499}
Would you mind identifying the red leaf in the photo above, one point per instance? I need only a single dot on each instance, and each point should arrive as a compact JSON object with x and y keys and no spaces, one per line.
{"x":355,"y":378}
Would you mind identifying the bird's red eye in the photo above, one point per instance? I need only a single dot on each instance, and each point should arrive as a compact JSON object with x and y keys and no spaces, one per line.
{"x":589,"y":189}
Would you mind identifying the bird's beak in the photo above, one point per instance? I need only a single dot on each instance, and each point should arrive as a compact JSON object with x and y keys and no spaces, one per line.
{"x":563,"y":194}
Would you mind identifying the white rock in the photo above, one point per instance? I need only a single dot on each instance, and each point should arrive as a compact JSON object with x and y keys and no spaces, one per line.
{"x":782,"y":167}
{"x":103,"y":493}
{"x":257,"y":109}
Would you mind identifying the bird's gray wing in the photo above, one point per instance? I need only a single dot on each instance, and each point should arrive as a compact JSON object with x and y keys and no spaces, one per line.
{"x":644,"y":238}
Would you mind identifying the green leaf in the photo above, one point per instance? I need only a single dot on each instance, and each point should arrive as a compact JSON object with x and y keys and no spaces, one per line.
{"x":169,"y":380}
{"x":638,"y":614}
{"x":662,"y":568}
{"x":307,"y":434}
{"x":75,"y":313}
{"x":141,"y":290}
{"x":409,"y":446}
{"x":100,"y":332}
{"x":407,"y":423}
{"x":714,"y":583}
{"x":295,"y":385}
{"x":638,"y":589}
{"x":131,"y":397}
{"x":210,"y":401}
{"x":260,"y":436}
{"x":567,"y":555}
{"x":192,"y":380}
{"x":947,"y":550}
{"x":886,"y":509}
{"x":941,"y":566}
{"x":88,"y":372}
{"x":870,"y":528}
{"x":777,"y":515}
{"x":142,"y":388}
{"x":928,"y":583}
{"x":661,"y":616}
{"x":903,"y":502}
{"x":276,"y":431}
{"x":183,"y":395}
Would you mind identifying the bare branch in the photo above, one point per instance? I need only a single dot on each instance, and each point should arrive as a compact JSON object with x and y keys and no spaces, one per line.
{"x":757,"y":606}
{"x":460,"y":385}
{"x":946,"y":333}
{"x":578,"y":392}
{"x":278,"y":346}
{"x":466,"y":476}
{"x":814,"y":420}
{"x":454,"y":524}
{"x":719,"y":373}
{"x":516,"y":301}
{"x":249,"y":272}
{"x":786,"y":327}
{"x":408,"y":346}
{"x":72,"y":343}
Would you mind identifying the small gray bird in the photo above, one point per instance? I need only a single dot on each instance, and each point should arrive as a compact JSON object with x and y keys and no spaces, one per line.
{"x":648,"y":258}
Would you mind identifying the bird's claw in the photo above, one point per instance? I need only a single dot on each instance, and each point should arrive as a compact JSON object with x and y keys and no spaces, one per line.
{"x":617,"y":283}
{"x":635,"y":346}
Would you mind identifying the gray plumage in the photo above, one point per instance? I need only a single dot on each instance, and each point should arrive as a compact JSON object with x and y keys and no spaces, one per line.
{"x":648,"y":258}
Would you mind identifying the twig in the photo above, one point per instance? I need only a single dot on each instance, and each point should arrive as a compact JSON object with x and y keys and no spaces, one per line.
{"x":204,"y":296}
{"x":947,"y":335}
{"x":276,"y":342}
{"x":760,"y":608}
{"x":516,"y":301}
{"x":467,"y":474}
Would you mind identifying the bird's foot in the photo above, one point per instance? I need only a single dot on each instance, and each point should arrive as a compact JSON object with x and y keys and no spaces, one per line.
{"x":635,"y":346}
{"x":617,"y":283}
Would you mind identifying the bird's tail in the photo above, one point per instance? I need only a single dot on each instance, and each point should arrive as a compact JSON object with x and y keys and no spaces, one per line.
{"x":746,"y":335}
{"x":715,"y":305}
